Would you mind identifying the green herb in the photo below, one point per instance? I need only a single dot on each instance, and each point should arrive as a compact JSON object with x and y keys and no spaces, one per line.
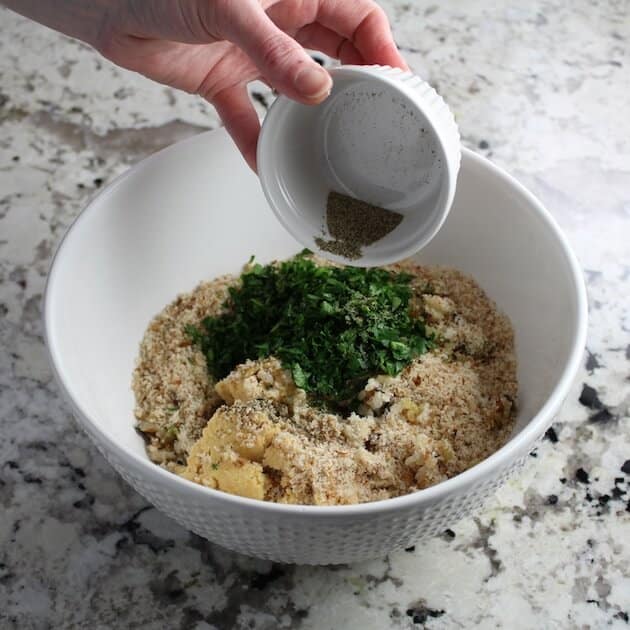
{"x":215,"y":466}
{"x":332,"y":327}
{"x":171,"y":432}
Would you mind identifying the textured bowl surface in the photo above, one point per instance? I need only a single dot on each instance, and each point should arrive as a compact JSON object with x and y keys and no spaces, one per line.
{"x":195,"y":211}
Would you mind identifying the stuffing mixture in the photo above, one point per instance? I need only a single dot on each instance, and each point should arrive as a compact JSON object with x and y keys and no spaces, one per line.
{"x":254,"y":433}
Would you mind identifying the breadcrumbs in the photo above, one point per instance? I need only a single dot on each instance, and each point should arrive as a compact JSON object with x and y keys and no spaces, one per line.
{"x":254,"y":433}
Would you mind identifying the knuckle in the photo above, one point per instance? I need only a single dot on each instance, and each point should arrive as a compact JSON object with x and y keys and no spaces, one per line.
{"x":277,"y":53}
{"x":377,"y":13}
{"x":211,"y":86}
{"x":375,"y":17}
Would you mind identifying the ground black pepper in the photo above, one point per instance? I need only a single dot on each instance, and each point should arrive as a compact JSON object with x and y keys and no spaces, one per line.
{"x":353,"y":224}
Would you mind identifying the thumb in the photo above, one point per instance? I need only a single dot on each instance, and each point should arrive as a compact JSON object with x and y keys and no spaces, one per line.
{"x":278,"y":57}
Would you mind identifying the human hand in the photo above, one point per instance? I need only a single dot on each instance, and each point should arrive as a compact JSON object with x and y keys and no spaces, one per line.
{"x":215,"y":47}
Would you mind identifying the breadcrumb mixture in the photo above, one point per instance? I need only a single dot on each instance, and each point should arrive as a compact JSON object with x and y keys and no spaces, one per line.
{"x":254,"y":433}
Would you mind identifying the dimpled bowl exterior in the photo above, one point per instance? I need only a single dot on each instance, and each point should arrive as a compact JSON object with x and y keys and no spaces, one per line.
{"x":194,"y":211}
{"x":308,"y":538}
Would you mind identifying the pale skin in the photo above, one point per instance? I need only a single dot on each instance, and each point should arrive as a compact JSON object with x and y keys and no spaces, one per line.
{"x":214,"y":48}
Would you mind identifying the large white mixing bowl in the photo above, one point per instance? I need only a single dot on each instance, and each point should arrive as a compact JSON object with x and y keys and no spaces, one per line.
{"x":194,"y":211}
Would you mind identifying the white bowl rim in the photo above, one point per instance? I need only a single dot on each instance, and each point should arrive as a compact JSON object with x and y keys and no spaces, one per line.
{"x":497,"y":461}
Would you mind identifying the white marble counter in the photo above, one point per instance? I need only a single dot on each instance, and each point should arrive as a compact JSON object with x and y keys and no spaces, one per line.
{"x":542,"y":89}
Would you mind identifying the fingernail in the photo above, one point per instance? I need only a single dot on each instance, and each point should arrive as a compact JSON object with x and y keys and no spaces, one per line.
{"x":313,"y":82}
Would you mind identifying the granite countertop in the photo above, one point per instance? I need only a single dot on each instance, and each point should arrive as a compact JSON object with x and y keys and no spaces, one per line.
{"x":540,"y":88}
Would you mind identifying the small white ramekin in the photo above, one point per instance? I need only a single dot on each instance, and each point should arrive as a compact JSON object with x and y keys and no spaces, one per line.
{"x":383,"y":136}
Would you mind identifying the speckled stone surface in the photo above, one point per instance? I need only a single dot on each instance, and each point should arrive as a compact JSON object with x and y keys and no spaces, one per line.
{"x":543,"y":88}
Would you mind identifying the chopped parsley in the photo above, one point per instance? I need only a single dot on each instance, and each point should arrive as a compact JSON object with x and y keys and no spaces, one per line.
{"x":331,"y":327}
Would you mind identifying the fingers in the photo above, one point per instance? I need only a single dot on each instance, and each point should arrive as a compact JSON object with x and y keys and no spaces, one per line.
{"x":364,"y":24}
{"x":283,"y":62}
{"x":240,"y":119}
{"x":329,"y":42}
